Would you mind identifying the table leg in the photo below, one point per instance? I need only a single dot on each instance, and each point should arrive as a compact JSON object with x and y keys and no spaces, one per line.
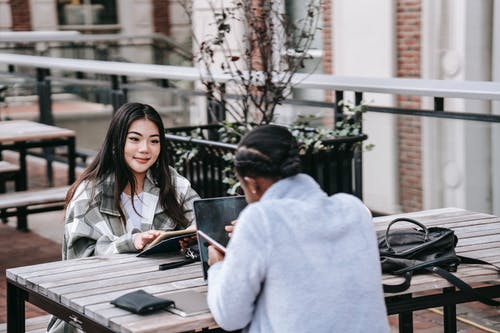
{"x":2,"y":190}
{"x":15,"y":309}
{"x":22,"y":185}
{"x":71,"y":160}
{"x":406,"y":322}
{"x":449,"y":314}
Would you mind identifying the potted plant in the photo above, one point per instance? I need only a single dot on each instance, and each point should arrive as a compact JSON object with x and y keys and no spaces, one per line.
{"x":246,"y":79}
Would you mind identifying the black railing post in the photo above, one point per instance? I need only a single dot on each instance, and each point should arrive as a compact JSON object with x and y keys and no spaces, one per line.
{"x":338,"y":114}
{"x":44,"y":92}
{"x":117,"y":95}
{"x":438,"y":104}
{"x":216,"y":109}
{"x":358,"y":153}
{"x":124,"y":80}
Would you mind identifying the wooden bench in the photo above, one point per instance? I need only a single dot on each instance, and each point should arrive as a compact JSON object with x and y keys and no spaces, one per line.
{"x":8,"y":171}
{"x":23,"y":203}
{"x":8,"y":168}
{"x":33,"y":325}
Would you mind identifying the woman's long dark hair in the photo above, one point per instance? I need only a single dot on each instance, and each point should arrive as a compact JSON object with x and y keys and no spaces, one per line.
{"x":268,"y":151}
{"x":110,"y":161}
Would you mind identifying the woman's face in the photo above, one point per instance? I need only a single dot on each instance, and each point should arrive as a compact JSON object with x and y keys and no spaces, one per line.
{"x":142,"y":146}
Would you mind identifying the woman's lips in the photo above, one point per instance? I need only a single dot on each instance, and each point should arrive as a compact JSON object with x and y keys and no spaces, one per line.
{"x":141,"y":160}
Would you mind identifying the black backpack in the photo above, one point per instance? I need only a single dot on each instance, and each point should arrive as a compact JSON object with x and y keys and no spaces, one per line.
{"x":411,"y":251}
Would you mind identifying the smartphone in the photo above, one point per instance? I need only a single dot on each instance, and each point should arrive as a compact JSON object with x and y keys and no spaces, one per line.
{"x":221,"y":248}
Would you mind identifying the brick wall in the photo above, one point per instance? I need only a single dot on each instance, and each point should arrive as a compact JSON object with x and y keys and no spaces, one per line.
{"x":161,"y":18}
{"x":328,"y":55}
{"x":408,"y":22}
{"x":21,"y":18}
{"x":327,"y":38}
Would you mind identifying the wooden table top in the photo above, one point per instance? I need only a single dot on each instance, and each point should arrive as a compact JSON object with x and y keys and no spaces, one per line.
{"x":478,"y":237}
{"x":25,"y":130}
{"x":88,"y":285}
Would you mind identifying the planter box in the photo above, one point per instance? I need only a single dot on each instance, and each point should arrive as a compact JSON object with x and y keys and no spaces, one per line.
{"x":337,"y":169}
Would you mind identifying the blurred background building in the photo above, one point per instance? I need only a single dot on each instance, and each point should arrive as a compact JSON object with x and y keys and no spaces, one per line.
{"x":418,"y":162}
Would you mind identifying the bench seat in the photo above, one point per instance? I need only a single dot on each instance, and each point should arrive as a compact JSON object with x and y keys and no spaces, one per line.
{"x":8,"y":168}
{"x":23,"y":203}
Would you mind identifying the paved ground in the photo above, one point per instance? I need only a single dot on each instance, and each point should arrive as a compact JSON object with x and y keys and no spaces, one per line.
{"x":42,"y":244}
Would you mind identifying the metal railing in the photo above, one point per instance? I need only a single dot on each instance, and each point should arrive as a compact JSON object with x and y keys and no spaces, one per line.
{"x":44,"y":43}
{"x":119,"y":78}
{"x":118,"y":72}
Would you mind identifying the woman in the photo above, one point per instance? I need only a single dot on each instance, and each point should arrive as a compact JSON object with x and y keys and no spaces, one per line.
{"x":298,"y":260}
{"x":127,"y":193}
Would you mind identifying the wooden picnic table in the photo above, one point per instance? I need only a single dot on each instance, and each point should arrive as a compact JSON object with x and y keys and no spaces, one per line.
{"x":20,"y":135}
{"x":80,"y":290}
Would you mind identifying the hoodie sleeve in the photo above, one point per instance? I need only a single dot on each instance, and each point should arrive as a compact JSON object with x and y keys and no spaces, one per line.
{"x":235,"y":283}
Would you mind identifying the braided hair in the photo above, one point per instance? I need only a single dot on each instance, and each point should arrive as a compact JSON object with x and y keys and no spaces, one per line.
{"x":268,"y":151}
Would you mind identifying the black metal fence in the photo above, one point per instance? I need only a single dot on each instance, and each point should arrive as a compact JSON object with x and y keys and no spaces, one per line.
{"x":207,"y":163}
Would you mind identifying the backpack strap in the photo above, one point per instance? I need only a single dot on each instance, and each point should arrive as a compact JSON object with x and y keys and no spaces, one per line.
{"x":463,"y":286}
{"x":396,"y":288}
{"x":469,"y":260}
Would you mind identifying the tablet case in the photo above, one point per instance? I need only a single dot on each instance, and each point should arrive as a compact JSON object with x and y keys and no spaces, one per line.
{"x":212,"y":215}
{"x":166,"y":245}
{"x":188,"y":303}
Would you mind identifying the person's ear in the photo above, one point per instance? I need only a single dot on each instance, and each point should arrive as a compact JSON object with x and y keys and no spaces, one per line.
{"x":251,"y":184}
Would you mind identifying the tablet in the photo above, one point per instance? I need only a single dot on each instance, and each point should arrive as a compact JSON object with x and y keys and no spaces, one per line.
{"x":212,"y":215}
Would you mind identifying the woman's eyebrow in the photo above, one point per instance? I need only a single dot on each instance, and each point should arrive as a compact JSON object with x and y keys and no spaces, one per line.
{"x":140,"y":134}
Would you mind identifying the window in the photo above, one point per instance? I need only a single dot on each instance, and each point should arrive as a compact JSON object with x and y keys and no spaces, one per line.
{"x":86,"y":12}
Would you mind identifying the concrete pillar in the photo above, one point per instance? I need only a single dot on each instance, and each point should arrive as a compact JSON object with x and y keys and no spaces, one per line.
{"x":457,"y":154}
{"x":495,"y":130}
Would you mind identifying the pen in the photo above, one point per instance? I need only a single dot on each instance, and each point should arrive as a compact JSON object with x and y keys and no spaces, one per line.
{"x":175,"y":264}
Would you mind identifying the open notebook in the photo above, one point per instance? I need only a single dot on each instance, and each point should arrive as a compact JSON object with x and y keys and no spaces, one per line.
{"x":212,"y":215}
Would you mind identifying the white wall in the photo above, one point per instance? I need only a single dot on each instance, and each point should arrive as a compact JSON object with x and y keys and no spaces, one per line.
{"x":5,"y":16}
{"x":364,"y":45}
{"x":43,"y":15}
{"x":204,"y":28}
{"x":136,"y":17}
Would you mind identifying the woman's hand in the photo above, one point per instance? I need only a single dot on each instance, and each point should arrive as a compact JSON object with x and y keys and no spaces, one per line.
{"x":230,"y":228}
{"x":214,"y":255}
{"x":187,"y":241}
{"x":141,"y":239}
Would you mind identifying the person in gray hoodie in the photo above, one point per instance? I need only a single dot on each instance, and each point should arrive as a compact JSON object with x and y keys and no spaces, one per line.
{"x":298,"y":260}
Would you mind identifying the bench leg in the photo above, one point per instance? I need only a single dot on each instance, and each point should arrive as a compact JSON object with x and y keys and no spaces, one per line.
{"x":22,"y":219}
{"x":3,"y":217}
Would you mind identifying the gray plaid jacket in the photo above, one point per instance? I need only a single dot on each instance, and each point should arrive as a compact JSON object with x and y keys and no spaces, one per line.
{"x":93,"y":226}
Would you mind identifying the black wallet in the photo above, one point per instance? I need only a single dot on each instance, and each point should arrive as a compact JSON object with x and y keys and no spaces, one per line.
{"x":141,"y":302}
